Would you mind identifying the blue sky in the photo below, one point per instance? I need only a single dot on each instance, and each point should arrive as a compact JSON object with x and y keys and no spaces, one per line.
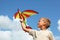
{"x":46,"y":8}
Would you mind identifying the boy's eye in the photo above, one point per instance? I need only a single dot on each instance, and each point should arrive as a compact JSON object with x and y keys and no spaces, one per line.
{"x":39,"y":21}
{"x":44,"y":22}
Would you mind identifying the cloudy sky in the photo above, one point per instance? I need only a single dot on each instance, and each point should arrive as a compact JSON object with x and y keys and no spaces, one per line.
{"x":10,"y":29}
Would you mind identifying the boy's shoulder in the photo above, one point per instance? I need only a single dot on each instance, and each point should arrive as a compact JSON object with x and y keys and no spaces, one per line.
{"x":49,"y":31}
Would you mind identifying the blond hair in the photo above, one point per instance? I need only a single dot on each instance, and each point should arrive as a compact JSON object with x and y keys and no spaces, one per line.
{"x":47,"y":22}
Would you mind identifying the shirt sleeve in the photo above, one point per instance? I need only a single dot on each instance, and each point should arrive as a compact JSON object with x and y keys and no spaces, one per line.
{"x":51,"y":37}
{"x":32,"y":32}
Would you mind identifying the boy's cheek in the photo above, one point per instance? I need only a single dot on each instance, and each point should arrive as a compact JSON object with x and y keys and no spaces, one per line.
{"x":39,"y":26}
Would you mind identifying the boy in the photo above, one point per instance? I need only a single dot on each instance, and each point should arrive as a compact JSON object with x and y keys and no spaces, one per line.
{"x":43,"y":34}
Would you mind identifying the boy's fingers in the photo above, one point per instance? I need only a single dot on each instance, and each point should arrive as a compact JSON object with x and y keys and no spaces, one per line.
{"x":21,"y":20}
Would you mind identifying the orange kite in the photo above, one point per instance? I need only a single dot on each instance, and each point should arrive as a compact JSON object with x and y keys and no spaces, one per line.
{"x":24,"y":14}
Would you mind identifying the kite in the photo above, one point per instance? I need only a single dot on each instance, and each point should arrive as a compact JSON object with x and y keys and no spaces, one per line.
{"x":24,"y":14}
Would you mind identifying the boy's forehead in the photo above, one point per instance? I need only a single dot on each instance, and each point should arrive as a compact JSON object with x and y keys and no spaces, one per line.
{"x":42,"y":19}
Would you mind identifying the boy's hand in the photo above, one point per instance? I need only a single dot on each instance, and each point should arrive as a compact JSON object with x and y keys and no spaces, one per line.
{"x":26,"y":29}
{"x":21,"y":20}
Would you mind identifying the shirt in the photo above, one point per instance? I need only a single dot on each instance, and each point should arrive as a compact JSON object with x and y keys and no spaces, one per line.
{"x":41,"y":35}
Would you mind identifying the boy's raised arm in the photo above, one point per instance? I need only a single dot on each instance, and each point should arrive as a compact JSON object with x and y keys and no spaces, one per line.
{"x":23,"y":26}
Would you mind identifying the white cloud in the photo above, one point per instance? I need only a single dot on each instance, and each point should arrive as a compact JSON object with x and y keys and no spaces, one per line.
{"x":19,"y":35}
{"x":58,"y":25}
{"x":15,"y":33}
{"x":5,"y":35}
{"x":7,"y":23}
{"x":57,"y":38}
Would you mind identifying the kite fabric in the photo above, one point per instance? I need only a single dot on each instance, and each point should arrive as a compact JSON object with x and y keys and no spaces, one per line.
{"x":24,"y":14}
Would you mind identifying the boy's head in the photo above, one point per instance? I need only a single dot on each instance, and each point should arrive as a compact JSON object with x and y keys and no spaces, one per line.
{"x":44,"y":22}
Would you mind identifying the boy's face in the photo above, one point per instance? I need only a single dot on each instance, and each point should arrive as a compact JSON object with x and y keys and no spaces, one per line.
{"x":42,"y":22}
